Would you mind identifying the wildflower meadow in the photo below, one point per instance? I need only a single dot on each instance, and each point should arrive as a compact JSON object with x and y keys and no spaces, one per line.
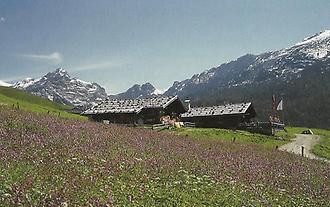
{"x":51,"y":161}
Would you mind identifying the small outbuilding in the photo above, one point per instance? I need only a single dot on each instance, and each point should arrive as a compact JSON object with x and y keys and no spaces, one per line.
{"x":136,"y":111}
{"x":231,"y":116}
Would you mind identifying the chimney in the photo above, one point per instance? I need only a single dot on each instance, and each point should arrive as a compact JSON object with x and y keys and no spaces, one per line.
{"x":188,"y":103}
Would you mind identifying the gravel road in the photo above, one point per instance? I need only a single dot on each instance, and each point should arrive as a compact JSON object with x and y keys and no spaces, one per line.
{"x":305,"y":140}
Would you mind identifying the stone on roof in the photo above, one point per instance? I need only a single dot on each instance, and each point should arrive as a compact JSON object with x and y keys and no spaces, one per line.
{"x":130,"y":105}
{"x":227,"y":109}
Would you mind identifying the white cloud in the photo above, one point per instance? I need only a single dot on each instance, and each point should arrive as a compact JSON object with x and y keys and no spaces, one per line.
{"x":54,"y":57}
{"x":94,"y":66}
{"x":2,"y":19}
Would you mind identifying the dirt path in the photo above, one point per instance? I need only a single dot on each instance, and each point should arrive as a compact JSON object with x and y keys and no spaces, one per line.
{"x":306,"y":140}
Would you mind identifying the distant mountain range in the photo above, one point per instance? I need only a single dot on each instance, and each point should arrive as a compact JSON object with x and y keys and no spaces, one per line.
{"x":139,"y":91}
{"x":299,"y":74}
{"x":58,"y":86}
{"x":281,"y":65}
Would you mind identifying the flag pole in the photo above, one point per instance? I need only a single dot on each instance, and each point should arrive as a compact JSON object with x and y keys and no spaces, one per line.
{"x":282,"y":110}
{"x":273,"y":107}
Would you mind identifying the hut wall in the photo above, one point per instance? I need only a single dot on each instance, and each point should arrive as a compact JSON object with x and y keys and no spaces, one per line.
{"x":175,"y":108}
{"x":116,"y":118}
{"x":231,"y":121}
{"x":146,"y":116}
{"x":151,"y":115}
{"x":224,"y":121}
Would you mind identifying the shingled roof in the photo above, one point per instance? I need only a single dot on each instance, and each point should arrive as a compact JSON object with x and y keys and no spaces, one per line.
{"x":130,"y":105}
{"x":227,"y":109}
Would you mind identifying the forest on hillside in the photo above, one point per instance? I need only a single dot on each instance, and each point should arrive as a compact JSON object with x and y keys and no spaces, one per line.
{"x":306,"y":99}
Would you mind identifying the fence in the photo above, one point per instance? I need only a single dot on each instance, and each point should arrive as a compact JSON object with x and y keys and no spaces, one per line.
{"x":160,"y":126}
{"x":166,"y":125}
{"x":189,"y":124}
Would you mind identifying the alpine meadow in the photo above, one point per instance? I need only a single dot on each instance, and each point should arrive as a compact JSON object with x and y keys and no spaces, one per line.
{"x":165,"y":103}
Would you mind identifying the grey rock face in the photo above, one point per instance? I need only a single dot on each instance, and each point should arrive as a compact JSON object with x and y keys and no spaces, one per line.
{"x":58,"y":86}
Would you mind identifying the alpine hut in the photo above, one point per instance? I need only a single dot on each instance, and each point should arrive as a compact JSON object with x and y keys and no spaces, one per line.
{"x":223,"y":116}
{"x":136,"y":111}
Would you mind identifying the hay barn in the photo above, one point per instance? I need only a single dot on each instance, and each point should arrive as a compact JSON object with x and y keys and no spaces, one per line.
{"x":136,"y":111}
{"x":231,"y":116}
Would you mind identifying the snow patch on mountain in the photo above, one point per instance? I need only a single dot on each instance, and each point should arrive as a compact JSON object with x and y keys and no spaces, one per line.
{"x":25,"y":83}
{"x":315,"y":38}
{"x":58,"y":86}
{"x":284,"y":64}
{"x":157,"y":92}
{"x":3,"y":83}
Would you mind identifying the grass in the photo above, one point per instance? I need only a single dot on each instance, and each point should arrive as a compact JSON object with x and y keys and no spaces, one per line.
{"x":229,"y":135}
{"x":51,"y":161}
{"x":29,"y":102}
{"x":322,"y":149}
{"x":290,"y":132}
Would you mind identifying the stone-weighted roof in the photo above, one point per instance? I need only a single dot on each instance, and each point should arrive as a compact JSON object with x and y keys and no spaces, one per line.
{"x":227,"y":109}
{"x":130,"y":105}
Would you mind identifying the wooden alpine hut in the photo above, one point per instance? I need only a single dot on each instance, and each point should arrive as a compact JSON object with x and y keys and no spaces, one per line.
{"x":231,"y":116}
{"x":136,"y":111}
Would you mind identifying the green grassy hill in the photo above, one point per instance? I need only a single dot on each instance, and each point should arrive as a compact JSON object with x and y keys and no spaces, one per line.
{"x":51,"y":161}
{"x":242,"y":137}
{"x":322,"y":149}
{"x":28,"y":102}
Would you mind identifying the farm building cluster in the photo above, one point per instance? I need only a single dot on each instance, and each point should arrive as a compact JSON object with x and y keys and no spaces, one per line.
{"x":136,"y":111}
{"x":153,"y":111}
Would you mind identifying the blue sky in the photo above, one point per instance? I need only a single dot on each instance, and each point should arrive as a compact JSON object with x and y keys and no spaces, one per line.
{"x":119,"y":43}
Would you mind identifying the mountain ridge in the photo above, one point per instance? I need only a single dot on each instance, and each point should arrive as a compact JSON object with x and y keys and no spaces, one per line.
{"x":60,"y":87}
{"x":285,"y":73}
{"x":146,"y":90}
{"x":278,"y":64}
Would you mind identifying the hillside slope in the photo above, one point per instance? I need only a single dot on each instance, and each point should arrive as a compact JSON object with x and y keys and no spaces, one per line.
{"x":2,"y":83}
{"x":300,"y":74}
{"x":60,"y":87}
{"x":49,"y":161}
{"x":25,"y":101}
{"x":306,"y":99}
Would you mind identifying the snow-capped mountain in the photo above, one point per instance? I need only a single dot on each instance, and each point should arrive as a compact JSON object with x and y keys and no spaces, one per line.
{"x":2,"y":83}
{"x":285,"y":65}
{"x":58,"y":86}
{"x":300,"y":74}
{"x":146,"y":90}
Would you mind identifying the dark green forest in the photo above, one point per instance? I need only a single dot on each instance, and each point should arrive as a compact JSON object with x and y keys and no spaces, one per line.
{"x":306,"y":98}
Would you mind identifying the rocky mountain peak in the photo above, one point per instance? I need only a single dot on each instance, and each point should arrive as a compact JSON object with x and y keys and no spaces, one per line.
{"x":319,"y":37}
{"x":282,"y":65}
{"x":58,"y":86}
{"x":147,"y":87}
{"x":300,"y":73}
{"x":59,"y":73}
{"x":145,"y":90}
